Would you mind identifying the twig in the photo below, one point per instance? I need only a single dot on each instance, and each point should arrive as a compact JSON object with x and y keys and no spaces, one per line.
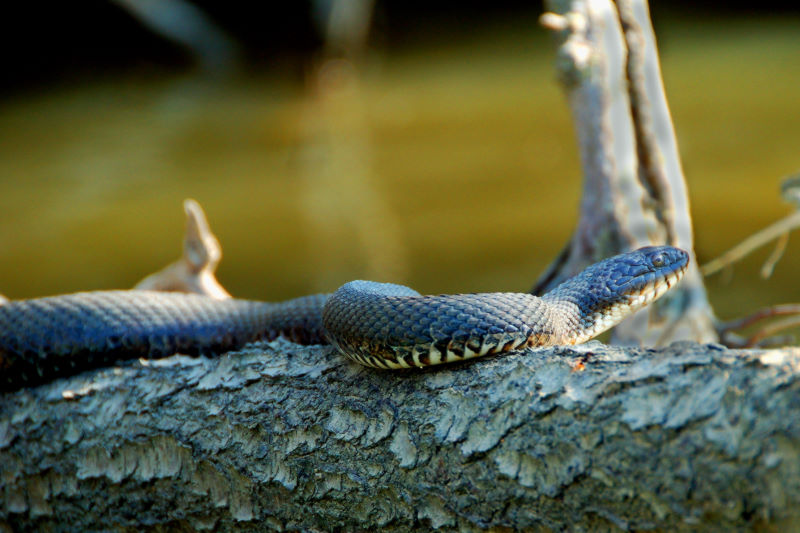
{"x":773,"y":231}
{"x":726,"y":328}
{"x":761,"y":314}
{"x":775,"y":256}
{"x":771,"y":329}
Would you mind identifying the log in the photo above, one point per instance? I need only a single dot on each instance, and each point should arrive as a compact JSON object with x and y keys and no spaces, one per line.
{"x":285,"y":437}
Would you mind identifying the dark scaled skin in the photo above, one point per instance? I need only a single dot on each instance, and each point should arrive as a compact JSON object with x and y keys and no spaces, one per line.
{"x":391,"y":326}
{"x":46,"y":338}
{"x":376,"y":324}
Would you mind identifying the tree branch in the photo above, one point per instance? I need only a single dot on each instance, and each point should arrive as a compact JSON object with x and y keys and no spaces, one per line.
{"x":758,"y":239}
{"x":633,"y":188}
{"x":286,"y":437}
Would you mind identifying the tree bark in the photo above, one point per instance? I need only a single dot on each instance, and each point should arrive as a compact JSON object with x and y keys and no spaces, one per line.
{"x":284,"y":437}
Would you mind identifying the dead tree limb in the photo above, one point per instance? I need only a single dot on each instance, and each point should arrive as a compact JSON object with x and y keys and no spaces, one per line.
{"x":634,"y":193}
{"x":289,"y":438}
{"x":194,"y":271}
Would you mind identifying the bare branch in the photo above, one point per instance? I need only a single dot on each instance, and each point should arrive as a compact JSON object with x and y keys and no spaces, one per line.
{"x":727,"y":329}
{"x":768,"y":331}
{"x":633,"y":188}
{"x":780,"y":247}
{"x":771,"y":232}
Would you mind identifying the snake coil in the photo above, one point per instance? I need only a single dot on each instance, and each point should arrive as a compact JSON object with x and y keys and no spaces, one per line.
{"x":376,"y":324}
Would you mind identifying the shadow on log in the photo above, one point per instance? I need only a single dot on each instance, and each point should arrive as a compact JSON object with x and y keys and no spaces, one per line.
{"x":284,"y":437}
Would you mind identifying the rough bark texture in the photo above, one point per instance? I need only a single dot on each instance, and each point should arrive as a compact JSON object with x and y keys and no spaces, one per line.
{"x":282,"y":437}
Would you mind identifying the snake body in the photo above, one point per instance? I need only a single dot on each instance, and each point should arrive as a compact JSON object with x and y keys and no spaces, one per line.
{"x":376,"y":324}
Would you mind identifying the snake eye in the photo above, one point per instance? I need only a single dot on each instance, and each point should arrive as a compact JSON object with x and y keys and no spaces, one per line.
{"x":658,"y":261}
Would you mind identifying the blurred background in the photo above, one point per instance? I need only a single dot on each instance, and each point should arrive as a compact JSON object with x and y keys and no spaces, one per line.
{"x":424,"y":143}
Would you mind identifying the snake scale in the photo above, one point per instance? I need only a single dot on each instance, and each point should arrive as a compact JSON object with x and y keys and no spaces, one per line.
{"x":376,"y":324}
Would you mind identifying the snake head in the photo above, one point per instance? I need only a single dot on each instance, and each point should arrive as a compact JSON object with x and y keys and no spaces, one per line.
{"x":607,"y":292}
{"x":639,"y":277}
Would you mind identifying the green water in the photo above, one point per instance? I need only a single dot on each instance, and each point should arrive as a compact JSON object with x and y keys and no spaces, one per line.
{"x":452,"y":167}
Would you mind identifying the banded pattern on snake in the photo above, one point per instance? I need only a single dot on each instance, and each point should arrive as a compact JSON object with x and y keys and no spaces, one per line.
{"x":376,"y":324}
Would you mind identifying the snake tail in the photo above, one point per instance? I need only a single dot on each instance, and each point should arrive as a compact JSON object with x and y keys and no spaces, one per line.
{"x":45,"y":338}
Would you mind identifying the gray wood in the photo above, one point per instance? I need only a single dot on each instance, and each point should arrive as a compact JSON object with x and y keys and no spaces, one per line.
{"x":634,"y":192}
{"x":284,"y":437}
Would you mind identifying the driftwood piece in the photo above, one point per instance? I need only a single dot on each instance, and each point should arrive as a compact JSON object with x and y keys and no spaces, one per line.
{"x":284,"y":437}
{"x":194,"y":271}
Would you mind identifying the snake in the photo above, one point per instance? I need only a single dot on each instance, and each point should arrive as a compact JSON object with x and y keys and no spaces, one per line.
{"x":381,"y":325}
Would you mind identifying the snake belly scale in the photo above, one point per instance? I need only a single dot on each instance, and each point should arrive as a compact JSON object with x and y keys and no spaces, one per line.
{"x":376,"y":324}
